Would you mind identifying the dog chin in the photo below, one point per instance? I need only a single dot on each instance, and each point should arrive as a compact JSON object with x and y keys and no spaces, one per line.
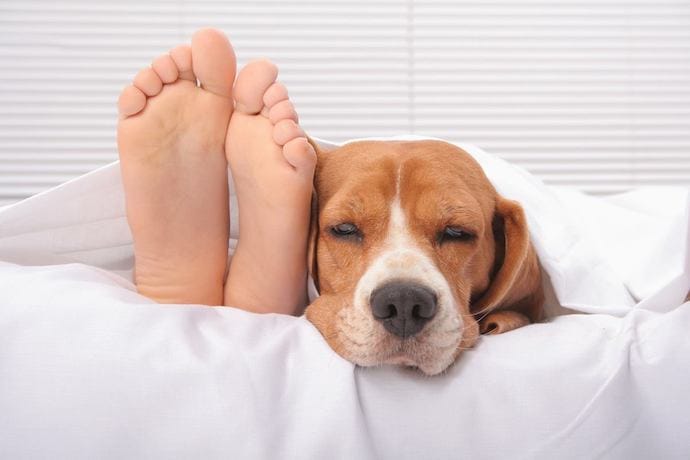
{"x":425,"y":365}
{"x":366,"y":343}
{"x":428,"y":360}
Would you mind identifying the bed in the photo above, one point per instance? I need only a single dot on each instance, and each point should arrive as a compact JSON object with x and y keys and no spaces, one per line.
{"x":90,"y":369}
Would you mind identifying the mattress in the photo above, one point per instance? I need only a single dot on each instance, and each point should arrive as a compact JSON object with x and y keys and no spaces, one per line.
{"x":91,"y":369}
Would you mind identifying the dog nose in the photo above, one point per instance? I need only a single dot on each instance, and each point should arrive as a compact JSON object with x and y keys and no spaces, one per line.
{"x":403,"y":307}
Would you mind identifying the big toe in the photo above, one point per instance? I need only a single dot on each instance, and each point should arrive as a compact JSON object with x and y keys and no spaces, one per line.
{"x":252,"y":82}
{"x":213,"y":61}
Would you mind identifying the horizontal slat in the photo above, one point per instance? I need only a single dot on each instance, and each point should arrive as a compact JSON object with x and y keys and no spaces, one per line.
{"x":499,"y":127}
{"x":396,"y":75}
{"x":53,"y":102}
{"x":354,"y":126}
{"x":95,"y":87}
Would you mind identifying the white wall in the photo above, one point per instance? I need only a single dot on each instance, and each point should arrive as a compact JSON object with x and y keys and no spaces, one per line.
{"x":594,"y":94}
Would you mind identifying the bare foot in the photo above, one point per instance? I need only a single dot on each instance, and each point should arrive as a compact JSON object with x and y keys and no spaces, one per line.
{"x":171,"y":138}
{"x":272,"y":165}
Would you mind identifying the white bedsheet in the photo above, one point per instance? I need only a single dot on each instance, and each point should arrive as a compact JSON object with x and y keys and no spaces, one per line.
{"x":90,"y":369}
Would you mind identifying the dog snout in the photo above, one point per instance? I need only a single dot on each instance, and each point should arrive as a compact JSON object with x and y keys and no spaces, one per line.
{"x":403,"y":307}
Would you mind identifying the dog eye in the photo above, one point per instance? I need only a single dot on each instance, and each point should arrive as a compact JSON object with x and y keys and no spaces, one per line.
{"x":455,"y":234}
{"x":346,"y":229}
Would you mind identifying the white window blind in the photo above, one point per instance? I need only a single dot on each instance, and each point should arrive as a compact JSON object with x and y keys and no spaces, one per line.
{"x":589,"y":93}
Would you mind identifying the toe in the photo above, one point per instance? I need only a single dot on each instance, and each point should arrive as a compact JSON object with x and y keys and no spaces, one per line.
{"x":301,"y":155}
{"x":213,"y":61}
{"x":131,"y":101}
{"x":182,"y":57}
{"x":283,"y":110}
{"x":252,"y":82}
{"x":276,"y":93}
{"x":148,"y":82}
{"x":286,"y":130}
{"x":165,"y":68}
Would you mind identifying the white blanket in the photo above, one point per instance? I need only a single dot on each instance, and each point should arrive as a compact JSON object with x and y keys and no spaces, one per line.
{"x":90,"y":369}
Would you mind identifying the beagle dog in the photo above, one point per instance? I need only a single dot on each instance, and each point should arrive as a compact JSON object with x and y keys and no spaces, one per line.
{"x":414,"y":254}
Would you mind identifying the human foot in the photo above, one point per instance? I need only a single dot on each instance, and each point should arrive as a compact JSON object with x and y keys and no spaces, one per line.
{"x":170,"y":137}
{"x":272,"y":166}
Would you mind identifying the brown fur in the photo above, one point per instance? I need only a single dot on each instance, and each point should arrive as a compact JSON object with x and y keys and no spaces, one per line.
{"x":495,"y":278}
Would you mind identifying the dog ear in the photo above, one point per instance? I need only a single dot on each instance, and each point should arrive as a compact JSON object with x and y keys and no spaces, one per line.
{"x":515,"y":296}
{"x":313,"y":238}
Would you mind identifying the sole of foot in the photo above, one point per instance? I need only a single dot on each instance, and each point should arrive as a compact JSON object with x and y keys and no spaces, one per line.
{"x":171,"y":136}
{"x":272,"y":165}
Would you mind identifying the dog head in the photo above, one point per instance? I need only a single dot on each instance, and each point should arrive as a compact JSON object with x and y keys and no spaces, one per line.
{"x":415,"y":254}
